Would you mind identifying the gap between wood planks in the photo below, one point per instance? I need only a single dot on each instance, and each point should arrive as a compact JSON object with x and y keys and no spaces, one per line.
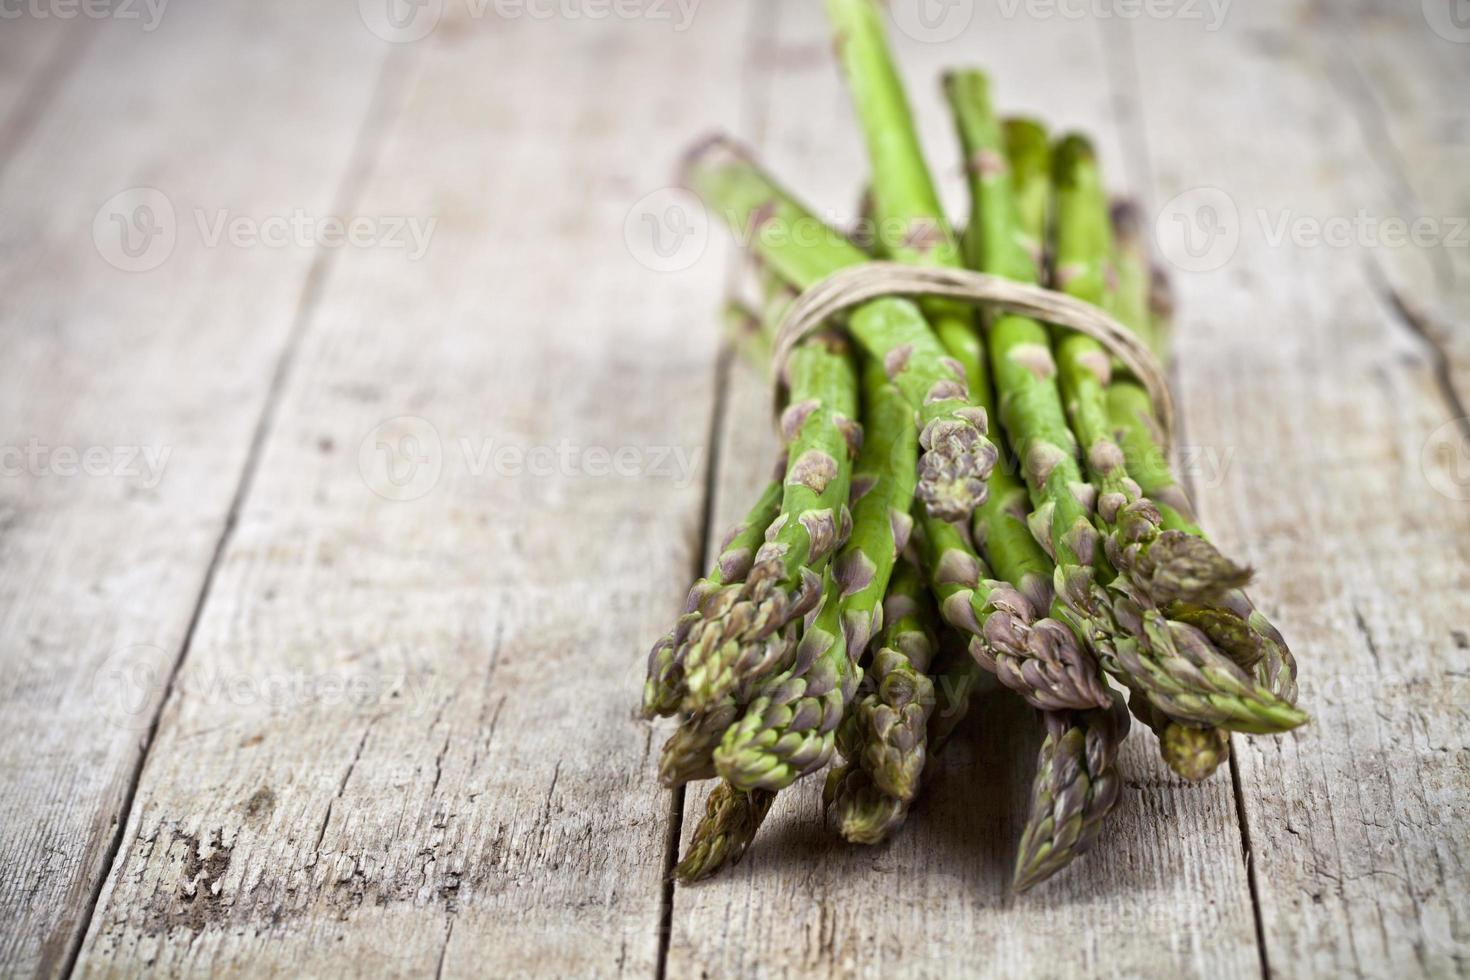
{"x":1361,"y":99}
{"x":380,"y":114}
{"x":1121,"y":60}
{"x":753,"y":84}
{"x":1414,"y":320}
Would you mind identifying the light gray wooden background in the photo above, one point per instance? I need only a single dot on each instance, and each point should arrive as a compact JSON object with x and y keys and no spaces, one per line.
{"x":273,"y":707}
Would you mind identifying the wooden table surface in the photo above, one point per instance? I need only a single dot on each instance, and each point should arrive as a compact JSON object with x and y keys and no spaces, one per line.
{"x":364,"y":416}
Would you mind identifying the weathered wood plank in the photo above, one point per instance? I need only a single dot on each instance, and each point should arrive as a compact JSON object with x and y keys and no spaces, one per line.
{"x":403,"y":739}
{"x":1295,"y":370}
{"x":128,"y":398}
{"x":1165,"y":893}
{"x":35,"y":55}
{"x":1399,"y":61}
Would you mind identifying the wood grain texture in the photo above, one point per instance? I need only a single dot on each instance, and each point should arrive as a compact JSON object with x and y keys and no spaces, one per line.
{"x":1295,"y":368}
{"x":935,"y":900}
{"x":36,"y":53}
{"x":403,"y":740}
{"x":457,"y":483}
{"x":129,"y":399}
{"x":1397,"y":63}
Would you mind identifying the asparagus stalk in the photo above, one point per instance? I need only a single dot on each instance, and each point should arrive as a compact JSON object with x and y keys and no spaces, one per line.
{"x":1041,"y":661}
{"x":1028,"y":158}
{"x":1234,"y":624}
{"x":882,"y":494}
{"x":895,"y":715}
{"x":725,"y":661}
{"x":1000,"y":530}
{"x":731,"y":819}
{"x":997,"y":239}
{"x":956,"y":455}
{"x":1174,"y":662}
{"x":1077,"y":783}
{"x":903,"y":193}
{"x":884,"y":739}
{"x":905,"y":203}
{"x":863,"y":813}
{"x":1165,"y":565}
{"x":665,"y":689}
{"x":786,"y":731}
{"x":1191,"y":752}
{"x":689,"y":753}
{"x":1010,"y":175}
{"x":733,"y":637}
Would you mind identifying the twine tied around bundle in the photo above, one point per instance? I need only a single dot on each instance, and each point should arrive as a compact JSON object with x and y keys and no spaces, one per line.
{"x":858,"y":284}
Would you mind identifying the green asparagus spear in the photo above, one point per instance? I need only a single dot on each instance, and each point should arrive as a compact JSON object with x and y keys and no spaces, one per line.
{"x":1028,"y":156}
{"x":1077,"y":783}
{"x":994,"y":242}
{"x":732,"y":638}
{"x":739,"y":634}
{"x":895,"y":715}
{"x":903,"y":192}
{"x":786,"y":731}
{"x":866,"y":570}
{"x":998,"y":243}
{"x":1175,"y":663}
{"x":915,"y":230}
{"x":689,"y":753}
{"x":1193,"y":753}
{"x":1009,"y":198}
{"x":1041,"y":662}
{"x":956,"y":455}
{"x":664,"y":688}
{"x":997,"y":239}
{"x":1165,"y":565}
{"x":743,"y":653}
{"x":731,"y":819}
{"x":1233,"y":624}
{"x":884,"y":738}
{"x":882,"y":494}
{"x":863,"y":813}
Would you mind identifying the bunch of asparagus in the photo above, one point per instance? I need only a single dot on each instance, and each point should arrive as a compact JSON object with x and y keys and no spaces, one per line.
{"x":963,"y":494}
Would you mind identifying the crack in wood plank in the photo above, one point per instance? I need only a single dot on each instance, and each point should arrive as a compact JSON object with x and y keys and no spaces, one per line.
{"x":359,"y":166}
{"x":759,"y":26}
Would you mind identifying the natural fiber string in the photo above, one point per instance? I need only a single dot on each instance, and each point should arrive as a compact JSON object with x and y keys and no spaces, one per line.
{"x":857,"y":284}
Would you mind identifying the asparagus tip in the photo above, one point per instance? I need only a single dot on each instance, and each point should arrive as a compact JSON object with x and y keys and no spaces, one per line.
{"x":1194,"y":753}
{"x":1076,"y":681}
{"x":1180,"y":566}
{"x":1126,"y":216}
{"x":863,"y":813}
{"x":711,"y":149}
{"x":956,"y":462}
{"x":730,"y":822}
